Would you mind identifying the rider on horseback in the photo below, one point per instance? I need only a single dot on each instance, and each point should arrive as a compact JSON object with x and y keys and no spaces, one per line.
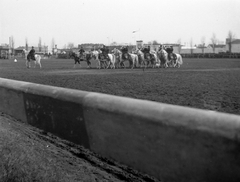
{"x":105,"y":52}
{"x":170,"y":52}
{"x":146,"y":51}
{"x":32,"y":53}
{"x":81,"y":51}
{"x":124,"y":50}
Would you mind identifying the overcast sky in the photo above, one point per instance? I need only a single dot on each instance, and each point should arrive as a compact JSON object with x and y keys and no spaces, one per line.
{"x":104,"y":21}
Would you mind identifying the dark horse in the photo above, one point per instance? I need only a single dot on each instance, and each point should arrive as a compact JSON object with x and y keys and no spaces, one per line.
{"x":84,"y":57}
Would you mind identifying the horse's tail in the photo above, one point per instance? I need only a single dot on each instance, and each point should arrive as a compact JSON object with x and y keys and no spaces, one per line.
{"x":180,"y":61}
{"x":136,"y":60}
{"x":114,"y":60}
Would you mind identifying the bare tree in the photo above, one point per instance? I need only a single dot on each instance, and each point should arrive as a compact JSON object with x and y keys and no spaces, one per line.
{"x":179,"y":45}
{"x":191,"y":45}
{"x":230,"y":39}
{"x":113,"y":43}
{"x":213,"y":41}
{"x":53,"y":45}
{"x":11,"y":44}
{"x":203,"y":44}
{"x":70,"y":45}
{"x":40,"y":44}
{"x":154,"y":42}
{"x":26,"y":44}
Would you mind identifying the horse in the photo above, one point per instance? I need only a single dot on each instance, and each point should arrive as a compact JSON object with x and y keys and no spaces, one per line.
{"x":163,"y":57}
{"x":78,"y":58}
{"x":154,"y":59}
{"x":131,"y":57}
{"x":95,"y":56}
{"x":134,"y":58}
{"x":141,"y":58}
{"x":28,"y":58}
{"x":118,"y":58}
{"x":110,"y":60}
{"x":175,"y":61}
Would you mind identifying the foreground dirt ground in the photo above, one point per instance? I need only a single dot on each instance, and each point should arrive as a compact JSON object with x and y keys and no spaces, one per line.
{"x":61,"y":160}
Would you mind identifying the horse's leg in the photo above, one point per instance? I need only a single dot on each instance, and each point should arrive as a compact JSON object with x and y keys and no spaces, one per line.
{"x":99,"y":64}
{"x":108,"y":64}
{"x":26,"y":63}
{"x":40,"y":64}
{"x":89,"y":64}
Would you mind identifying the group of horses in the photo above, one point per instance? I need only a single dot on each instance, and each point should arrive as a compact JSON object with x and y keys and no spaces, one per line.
{"x":117,"y":59}
{"x":136,"y":58}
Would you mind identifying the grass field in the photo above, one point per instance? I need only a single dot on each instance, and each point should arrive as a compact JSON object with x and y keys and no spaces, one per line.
{"x":212,"y":84}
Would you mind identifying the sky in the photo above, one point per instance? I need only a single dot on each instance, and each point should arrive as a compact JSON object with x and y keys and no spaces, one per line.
{"x":107,"y":21}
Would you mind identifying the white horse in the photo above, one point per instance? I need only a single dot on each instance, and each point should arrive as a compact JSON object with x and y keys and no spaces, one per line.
{"x":118,"y":58}
{"x":156,"y":60}
{"x":141,"y":59}
{"x":135,"y":62}
{"x":95,"y":55}
{"x":28,"y":59}
{"x":177,"y":62}
{"x":163,"y":57}
{"x":110,"y":60}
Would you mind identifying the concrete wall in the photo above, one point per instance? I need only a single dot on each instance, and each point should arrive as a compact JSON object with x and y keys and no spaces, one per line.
{"x":169,"y":142}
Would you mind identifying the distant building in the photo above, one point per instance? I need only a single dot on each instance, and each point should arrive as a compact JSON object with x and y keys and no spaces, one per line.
{"x":39,"y":50}
{"x":19,"y":51}
{"x":4,"y":51}
{"x":235,"y":46}
{"x":89,"y":46}
{"x":139,"y":43}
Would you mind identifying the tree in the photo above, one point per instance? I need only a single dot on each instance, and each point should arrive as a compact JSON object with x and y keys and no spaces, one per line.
{"x":191,"y":45}
{"x":179,"y":45}
{"x":154,"y":42}
{"x":26,"y":44}
{"x":203,"y":44}
{"x":114,"y":43}
{"x":40,"y":44}
{"x":11,"y":44}
{"x":53,"y":45}
{"x":230,"y":39}
{"x":70,"y":45}
{"x":213,"y":41}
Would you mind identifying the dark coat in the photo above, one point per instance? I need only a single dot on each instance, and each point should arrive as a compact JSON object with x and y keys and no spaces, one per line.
{"x":32,"y":52}
{"x":81,"y":51}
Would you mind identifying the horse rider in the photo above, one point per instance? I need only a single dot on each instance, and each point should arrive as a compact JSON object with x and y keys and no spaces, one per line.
{"x":32,"y":53}
{"x":160,"y":47}
{"x":81,"y":51}
{"x":169,"y":50}
{"x":146,"y":51}
{"x":124,"y":50}
{"x":105,"y":52}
